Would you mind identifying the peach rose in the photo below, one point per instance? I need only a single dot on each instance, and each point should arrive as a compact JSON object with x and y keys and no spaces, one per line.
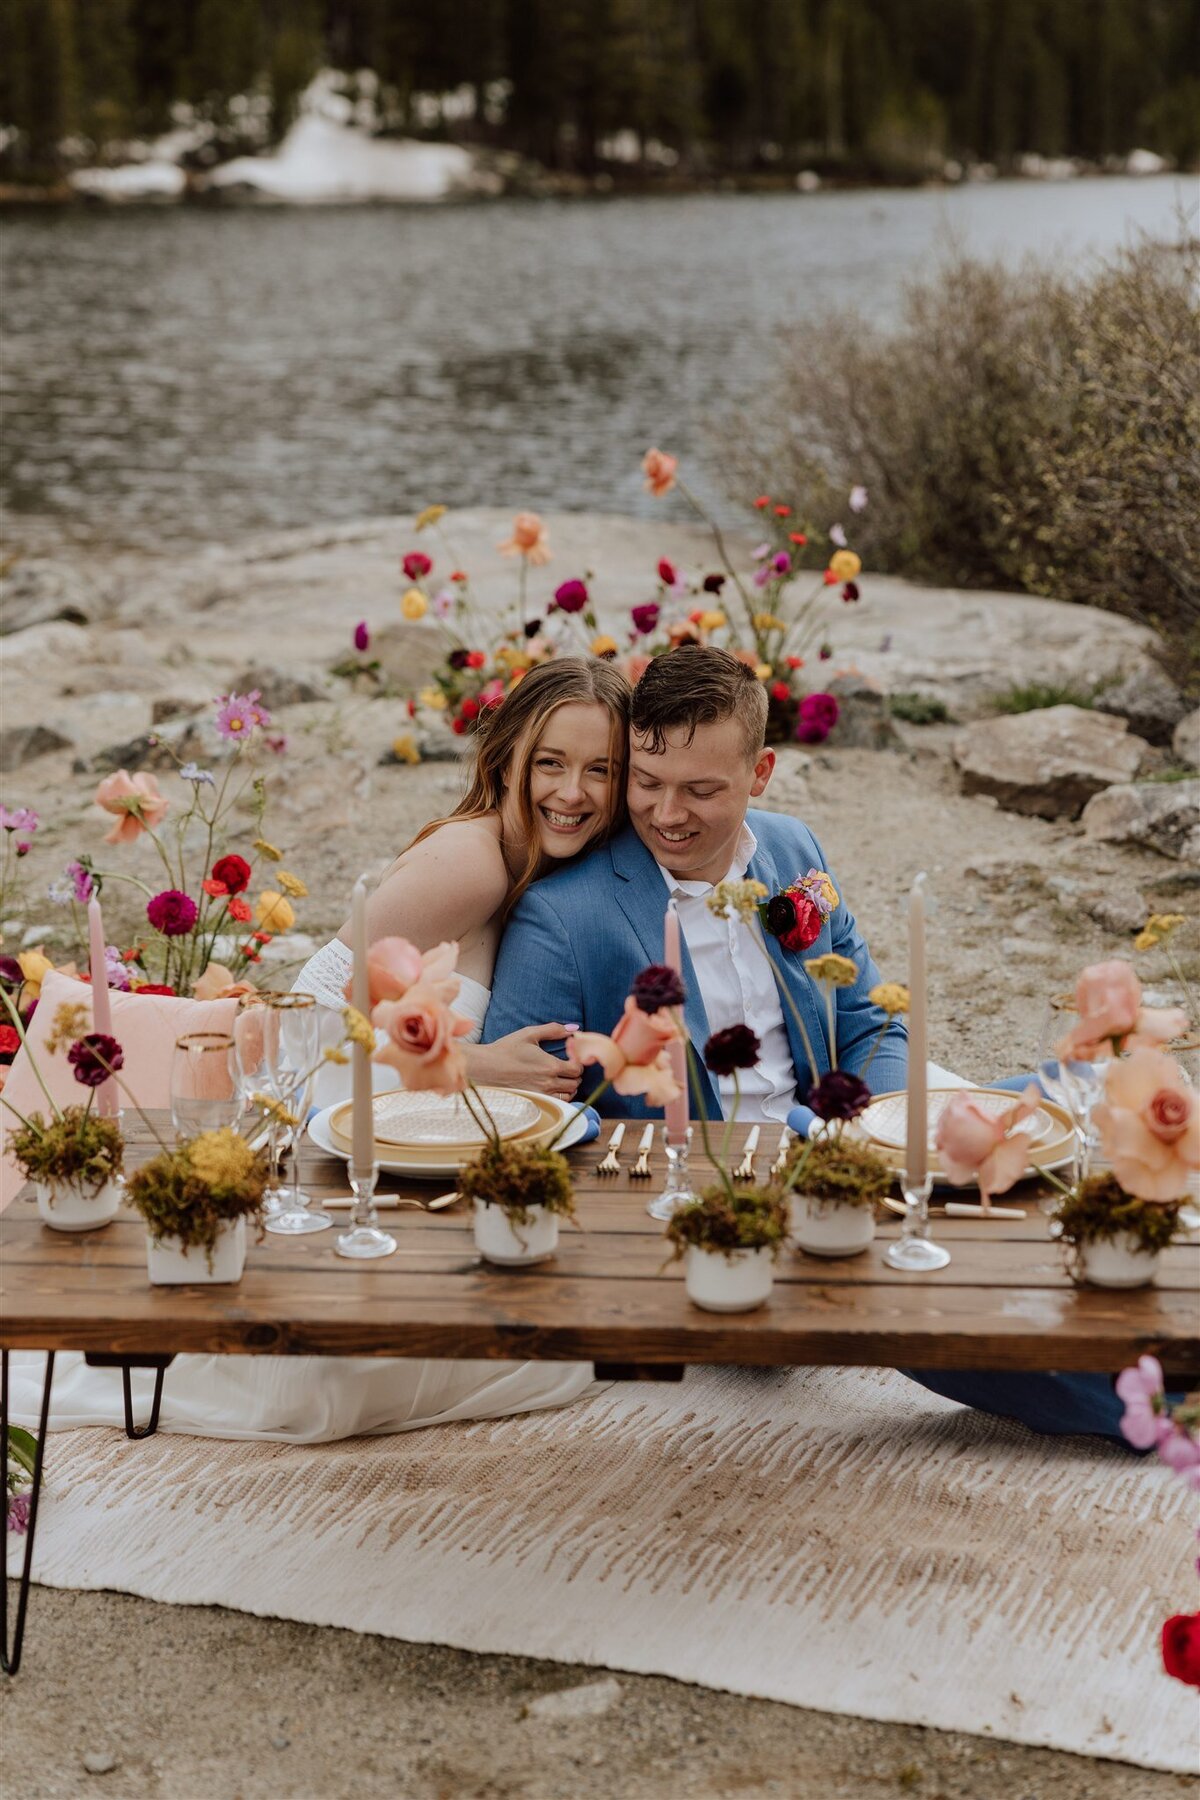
{"x":1149,"y":1125}
{"x":1108,"y":999}
{"x":421,"y":1031}
{"x":634,"y":1058}
{"x":135,"y":800}
{"x":975,"y":1145}
{"x":528,"y":539}
{"x":659,"y":470}
{"x":394,"y":965}
{"x":219,"y":983}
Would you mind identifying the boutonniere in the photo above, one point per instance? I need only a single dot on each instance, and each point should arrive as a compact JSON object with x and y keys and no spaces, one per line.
{"x":797,"y":914}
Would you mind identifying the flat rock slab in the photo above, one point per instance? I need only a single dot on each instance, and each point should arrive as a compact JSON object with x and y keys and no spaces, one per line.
{"x":1163,"y":815}
{"x":1185,"y":744}
{"x":1047,"y":763}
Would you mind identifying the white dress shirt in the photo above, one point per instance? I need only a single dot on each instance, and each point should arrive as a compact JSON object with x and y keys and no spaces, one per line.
{"x":737,"y":986}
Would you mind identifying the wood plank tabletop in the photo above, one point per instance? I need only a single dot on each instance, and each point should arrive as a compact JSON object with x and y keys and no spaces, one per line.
{"x":610,"y":1294}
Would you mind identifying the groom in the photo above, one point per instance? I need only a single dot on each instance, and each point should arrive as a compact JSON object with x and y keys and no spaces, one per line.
{"x":697,"y":758}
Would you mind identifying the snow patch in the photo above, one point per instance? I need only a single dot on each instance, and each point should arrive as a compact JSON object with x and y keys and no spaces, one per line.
{"x":322,"y":161}
{"x":152,"y":180}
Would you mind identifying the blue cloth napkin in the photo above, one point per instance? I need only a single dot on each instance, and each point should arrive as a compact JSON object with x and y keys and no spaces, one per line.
{"x":593,"y":1125}
{"x":801,"y":1120}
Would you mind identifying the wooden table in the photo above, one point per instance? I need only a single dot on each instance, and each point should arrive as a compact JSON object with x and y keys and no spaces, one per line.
{"x":609,"y":1297}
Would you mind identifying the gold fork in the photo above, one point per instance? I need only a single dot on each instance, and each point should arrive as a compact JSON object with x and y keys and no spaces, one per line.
{"x":609,"y":1163}
{"x":781,"y":1152}
{"x":745,"y":1169}
{"x":641,"y":1168}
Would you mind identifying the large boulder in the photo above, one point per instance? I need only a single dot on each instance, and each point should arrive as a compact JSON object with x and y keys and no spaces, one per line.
{"x":1148,"y":700}
{"x":277,"y":687}
{"x":1047,"y":763}
{"x":1185,"y":744}
{"x":1163,"y":815}
{"x":20,"y":744}
{"x":863,"y":719}
{"x":36,"y":591}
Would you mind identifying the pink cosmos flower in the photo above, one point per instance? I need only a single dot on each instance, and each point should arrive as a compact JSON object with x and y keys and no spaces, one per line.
{"x":858,"y":499}
{"x":781,"y":562}
{"x":762,"y":575}
{"x":1180,"y":1451}
{"x":634,"y":1058}
{"x":1141,"y":1388}
{"x":528,"y":539}
{"x":1149,"y":1125}
{"x":443,"y":603}
{"x":975,"y":1145}
{"x":238,"y":714}
{"x":837,"y":536}
{"x":136,"y":802}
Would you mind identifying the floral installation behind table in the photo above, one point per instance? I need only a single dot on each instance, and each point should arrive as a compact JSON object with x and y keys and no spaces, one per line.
{"x":18,"y":825}
{"x":758,"y":614}
{"x":1150,"y":1422}
{"x":208,"y":919}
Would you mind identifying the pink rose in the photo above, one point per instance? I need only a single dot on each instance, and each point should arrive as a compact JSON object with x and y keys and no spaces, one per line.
{"x":421,"y":1042}
{"x":394,"y":965}
{"x":1149,"y":1125}
{"x":136,"y":802}
{"x":1108,"y":999}
{"x":975,"y":1145}
{"x":634,"y":1058}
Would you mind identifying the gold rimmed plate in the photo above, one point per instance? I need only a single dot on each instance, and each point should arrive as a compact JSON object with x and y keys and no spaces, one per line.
{"x":411,"y":1119}
{"x":421,"y":1161}
{"x":1050,"y":1130}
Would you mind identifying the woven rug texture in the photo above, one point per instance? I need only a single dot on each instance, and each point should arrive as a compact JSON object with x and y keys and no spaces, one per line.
{"x":834,"y":1539}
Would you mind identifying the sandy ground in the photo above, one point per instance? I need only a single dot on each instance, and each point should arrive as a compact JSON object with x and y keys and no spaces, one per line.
{"x":199,"y":1702}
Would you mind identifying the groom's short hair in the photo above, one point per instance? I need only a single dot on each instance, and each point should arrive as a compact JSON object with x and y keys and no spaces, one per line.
{"x":698,"y":685}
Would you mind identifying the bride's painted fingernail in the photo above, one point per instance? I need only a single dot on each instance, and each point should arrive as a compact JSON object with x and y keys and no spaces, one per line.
{"x":572,"y":1027}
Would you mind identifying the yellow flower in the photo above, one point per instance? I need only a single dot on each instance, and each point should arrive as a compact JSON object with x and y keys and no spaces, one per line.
{"x":273,"y":912}
{"x":838,"y":971}
{"x":291,"y":884}
{"x":414,"y":605}
{"x":891,"y":996}
{"x":271,"y":1108}
{"x":35,"y":966}
{"x":1157,"y":929}
{"x":433,"y":698}
{"x":71,"y":1020}
{"x":820,"y":886}
{"x":604,"y":645}
{"x":713,"y":621}
{"x":845,"y":564}
{"x":740,"y":897}
{"x":764,"y":671}
{"x":359,"y":1029}
{"x":429,"y":515}
{"x":268,"y":850}
{"x":768,"y":622}
{"x":405,"y":750}
{"x":511,"y":658}
{"x":334,"y":1055}
{"x":222,"y":1159}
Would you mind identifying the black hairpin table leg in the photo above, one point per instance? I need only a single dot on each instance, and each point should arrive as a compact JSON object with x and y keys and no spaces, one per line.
{"x":10,"y":1660}
{"x":160,"y":1364}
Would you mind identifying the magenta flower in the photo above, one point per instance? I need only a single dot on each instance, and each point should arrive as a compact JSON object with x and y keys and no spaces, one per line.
{"x":82,"y":882}
{"x":116,"y":969}
{"x":781,"y":562}
{"x":94,"y":1057}
{"x":572,"y":596}
{"x":416,"y":564}
{"x":762,"y":575}
{"x":238,"y":714}
{"x":645,"y":618}
{"x":818,"y":716}
{"x":172,"y":913}
{"x":362,"y":636}
{"x":18,"y":1513}
{"x":23,"y":818}
{"x":1141,"y":1388}
{"x":825,"y":652}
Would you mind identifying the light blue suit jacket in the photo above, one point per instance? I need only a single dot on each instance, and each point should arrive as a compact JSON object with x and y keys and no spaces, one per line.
{"x":577,"y":939}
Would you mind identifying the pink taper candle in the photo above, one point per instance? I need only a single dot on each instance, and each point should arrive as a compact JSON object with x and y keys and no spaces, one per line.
{"x":362,"y":1135}
{"x":106,"y":1093}
{"x":675,"y":1111}
{"x":916,"y":1154}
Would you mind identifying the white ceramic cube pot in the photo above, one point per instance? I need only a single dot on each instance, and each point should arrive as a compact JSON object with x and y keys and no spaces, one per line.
{"x":512,"y":1244}
{"x":830,"y":1227}
{"x":1117,"y":1262}
{"x":66,"y":1206}
{"x":737,"y":1282}
{"x":169,"y":1263}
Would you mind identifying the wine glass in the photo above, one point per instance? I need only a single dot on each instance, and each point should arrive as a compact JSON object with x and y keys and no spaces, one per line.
{"x":254,"y":1074}
{"x":204,"y":1093}
{"x":1075,"y":1084}
{"x":293,"y":1048}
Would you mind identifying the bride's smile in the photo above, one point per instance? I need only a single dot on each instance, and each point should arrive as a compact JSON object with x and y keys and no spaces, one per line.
{"x":571,"y":779}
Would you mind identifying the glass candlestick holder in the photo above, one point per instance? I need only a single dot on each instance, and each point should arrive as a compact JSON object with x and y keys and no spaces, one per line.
{"x":678,"y":1191}
{"x":915,"y":1250}
{"x":365,"y":1238}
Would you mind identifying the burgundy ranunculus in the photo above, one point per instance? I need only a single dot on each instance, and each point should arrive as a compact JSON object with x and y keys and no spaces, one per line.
{"x":818,"y":716}
{"x":838,"y":1095}
{"x":94,"y":1057}
{"x":10,"y":972}
{"x":532,"y":627}
{"x":458,"y":659}
{"x":656,"y":987}
{"x":850,"y":591}
{"x":416,"y":564}
{"x":645,"y":618}
{"x":666,"y":572}
{"x":794,"y":919}
{"x":713,"y":583}
{"x":173,"y":913}
{"x":736,"y":1047}
{"x":572,"y":596}
{"x":1181,"y":1647}
{"x":234,"y":871}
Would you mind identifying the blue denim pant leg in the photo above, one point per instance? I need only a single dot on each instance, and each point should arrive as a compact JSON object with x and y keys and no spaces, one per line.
{"x":1055,"y":1405}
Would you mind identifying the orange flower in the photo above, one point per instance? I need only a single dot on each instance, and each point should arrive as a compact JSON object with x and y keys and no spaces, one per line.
{"x":421,"y":1042}
{"x":135,"y":800}
{"x":528,"y":539}
{"x":659,"y":470}
{"x":1149,"y":1125}
{"x":218,"y":983}
{"x":634,"y":1058}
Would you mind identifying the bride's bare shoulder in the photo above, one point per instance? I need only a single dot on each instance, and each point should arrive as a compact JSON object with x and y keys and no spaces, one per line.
{"x":461,"y":864}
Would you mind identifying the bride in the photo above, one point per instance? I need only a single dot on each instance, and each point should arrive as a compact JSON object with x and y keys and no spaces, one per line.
{"x":548,"y":783}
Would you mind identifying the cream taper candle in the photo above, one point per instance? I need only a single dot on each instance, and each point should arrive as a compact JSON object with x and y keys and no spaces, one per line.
{"x":916,"y":1154}
{"x":362,"y":1114}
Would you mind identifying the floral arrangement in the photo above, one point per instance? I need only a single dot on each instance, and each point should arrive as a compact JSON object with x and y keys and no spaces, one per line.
{"x":725,"y":1222}
{"x":1150,"y":1423}
{"x":204,"y":906}
{"x":72,"y":1144}
{"x":192,"y":1190}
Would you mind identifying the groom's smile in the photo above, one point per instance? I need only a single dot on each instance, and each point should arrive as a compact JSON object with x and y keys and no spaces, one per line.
{"x":688,"y":800}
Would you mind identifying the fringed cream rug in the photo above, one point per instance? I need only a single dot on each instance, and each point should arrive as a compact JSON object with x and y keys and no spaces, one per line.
{"x":832,"y":1538}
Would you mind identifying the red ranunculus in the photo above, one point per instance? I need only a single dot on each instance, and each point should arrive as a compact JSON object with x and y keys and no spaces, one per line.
{"x":666,"y":572}
{"x":154,"y":987}
{"x":780,"y":691}
{"x":458,"y":726}
{"x":240,"y":911}
{"x":762,"y":503}
{"x":416,"y":564}
{"x":1181,"y":1648}
{"x":782,"y":512}
{"x":476,"y":659}
{"x":794,"y":920}
{"x":10,"y":1040}
{"x":234,"y":871}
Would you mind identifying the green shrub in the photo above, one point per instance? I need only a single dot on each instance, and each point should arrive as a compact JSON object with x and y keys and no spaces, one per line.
{"x":918,"y":709}
{"x":1034,"y":695}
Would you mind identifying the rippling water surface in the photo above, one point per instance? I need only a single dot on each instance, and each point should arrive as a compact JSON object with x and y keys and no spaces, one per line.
{"x":180,"y":375}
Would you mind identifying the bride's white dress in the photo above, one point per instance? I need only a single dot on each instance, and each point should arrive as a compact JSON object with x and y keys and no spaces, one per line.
{"x":305,"y":1399}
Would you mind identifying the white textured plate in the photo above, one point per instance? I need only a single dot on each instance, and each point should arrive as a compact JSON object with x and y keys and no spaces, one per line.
{"x":410,"y":1163}
{"x":886,"y":1119}
{"x":418,"y":1120}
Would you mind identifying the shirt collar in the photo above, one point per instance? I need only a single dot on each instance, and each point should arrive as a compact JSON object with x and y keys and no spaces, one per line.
{"x":744,"y":852}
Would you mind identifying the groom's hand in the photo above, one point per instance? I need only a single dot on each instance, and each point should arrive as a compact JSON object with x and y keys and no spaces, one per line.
{"x":517,"y":1061}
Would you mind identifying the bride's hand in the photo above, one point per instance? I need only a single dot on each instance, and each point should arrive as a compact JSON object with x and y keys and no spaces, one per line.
{"x":517,"y":1061}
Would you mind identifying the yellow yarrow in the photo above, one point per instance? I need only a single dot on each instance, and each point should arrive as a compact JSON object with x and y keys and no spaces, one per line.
{"x":768,"y":622}
{"x":414,"y":605}
{"x":845,"y":564}
{"x":740,"y":897}
{"x":271,"y":1108}
{"x":291,"y":884}
{"x":433,"y":698}
{"x":891,"y":996}
{"x":713,"y":621}
{"x":222,"y":1158}
{"x":1157,"y":929}
{"x":334,"y":1055}
{"x":273,"y":913}
{"x":405,"y":750}
{"x":838,"y":971}
{"x":764,"y":671}
{"x":71,"y":1020}
{"x":268,"y":850}
{"x":429,"y":515}
{"x":359,"y":1029}
{"x":604,"y":645}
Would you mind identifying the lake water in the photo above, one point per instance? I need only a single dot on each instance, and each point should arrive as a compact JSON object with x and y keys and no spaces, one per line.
{"x":182,"y":375}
